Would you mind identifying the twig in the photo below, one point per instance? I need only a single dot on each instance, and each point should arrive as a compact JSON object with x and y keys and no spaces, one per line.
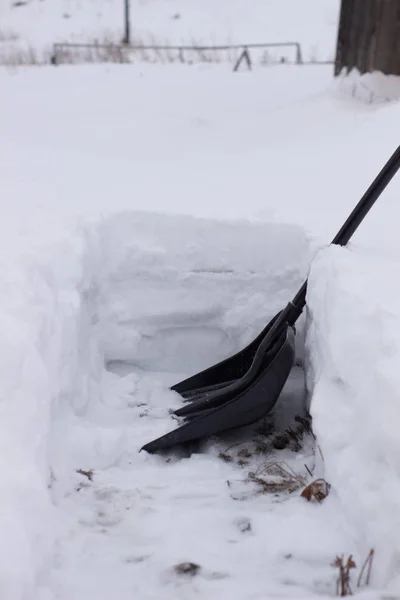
{"x":320,"y":451}
{"x":366,"y":566}
{"x":343,"y":587}
{"x":233,"y":446}
{"x":308,"y":470}
{"x":88,"y":474}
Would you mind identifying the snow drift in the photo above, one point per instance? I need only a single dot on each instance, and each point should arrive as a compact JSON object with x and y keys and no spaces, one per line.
{"x":46,"y":361}
{"x":354,"y":347}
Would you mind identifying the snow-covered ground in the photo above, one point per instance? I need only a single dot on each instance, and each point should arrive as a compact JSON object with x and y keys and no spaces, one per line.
{"x":152,"y":220}
{"x":35,"y":25}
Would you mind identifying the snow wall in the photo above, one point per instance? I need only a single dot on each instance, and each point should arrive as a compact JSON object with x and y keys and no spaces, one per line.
{"x":165,"y":293}
{"x":353,"y":348}
{"x":180,"y":293}
{"x":47,"y":360}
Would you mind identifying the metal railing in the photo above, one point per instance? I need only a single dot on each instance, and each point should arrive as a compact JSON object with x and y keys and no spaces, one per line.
{"x":234,"y":53}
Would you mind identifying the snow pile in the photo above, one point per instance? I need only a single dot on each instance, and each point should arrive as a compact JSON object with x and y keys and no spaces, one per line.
{"x":354,"y":345}
{"x":45,"y":363}
{"x":371,"y":88}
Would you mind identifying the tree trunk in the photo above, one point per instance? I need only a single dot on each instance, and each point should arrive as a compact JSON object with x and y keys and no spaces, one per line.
{"x":369,"y":36}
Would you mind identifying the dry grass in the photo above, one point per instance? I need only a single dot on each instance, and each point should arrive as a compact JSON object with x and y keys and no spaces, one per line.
{"x":142,"y":49}
{"x":293,"y":435}
{"x":275,"y":477}
{"x":15,"y":56}
{"x":20,"y":55}
{"x":266,"y":443}
{"x":225,"y":457}
{"x":343,"y":587}
{"x":343,"y":581}
{"x":138,"y":52}
{"x":8,"y":36}
{"x":364,"y":577}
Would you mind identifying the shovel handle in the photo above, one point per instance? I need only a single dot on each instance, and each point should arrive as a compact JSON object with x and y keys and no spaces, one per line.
{"x":353,"y":222}
{"x":368,"y":200}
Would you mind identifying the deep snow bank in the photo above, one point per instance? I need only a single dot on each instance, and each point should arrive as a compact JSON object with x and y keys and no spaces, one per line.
{"x":354,"y":347}
{"x":46,"y":361}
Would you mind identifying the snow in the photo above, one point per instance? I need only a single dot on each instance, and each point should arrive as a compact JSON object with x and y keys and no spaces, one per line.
{"x":212,"y":294}
{"x":191,"y":139}
{"x":153,"y":219}
{"x":355,"y":402}
{"x":39,"y":325}
{"x":37,"y":25}
{"x":86,"y":151}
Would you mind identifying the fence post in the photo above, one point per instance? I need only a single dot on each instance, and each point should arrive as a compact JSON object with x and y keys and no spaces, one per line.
{"x":53,"y":58}
{"x":244,"y":56}
{"x":127,"y":24}
{"x":299,"y":57}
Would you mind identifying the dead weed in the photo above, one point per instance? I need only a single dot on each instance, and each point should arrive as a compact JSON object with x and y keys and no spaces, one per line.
{"x":343,"y":584}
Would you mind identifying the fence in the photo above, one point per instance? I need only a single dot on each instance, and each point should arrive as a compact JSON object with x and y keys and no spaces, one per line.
{"x":234,"y":53}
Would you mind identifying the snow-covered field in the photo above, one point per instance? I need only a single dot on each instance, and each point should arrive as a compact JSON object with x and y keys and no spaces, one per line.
{"x":153,"y":219}
{"x":35,"y":25}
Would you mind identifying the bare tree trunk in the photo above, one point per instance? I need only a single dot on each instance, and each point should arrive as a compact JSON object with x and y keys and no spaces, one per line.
{"x":369,"y":36}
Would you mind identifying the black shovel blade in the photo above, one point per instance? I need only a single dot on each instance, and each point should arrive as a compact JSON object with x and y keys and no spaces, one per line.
{"x":214,"y":396}
{"x":250,"y":405}
{"x":223,"y":373}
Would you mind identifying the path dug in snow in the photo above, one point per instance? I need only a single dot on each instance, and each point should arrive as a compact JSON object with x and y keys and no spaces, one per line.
{"x":142,"y":294}
{"x":136,"y":516}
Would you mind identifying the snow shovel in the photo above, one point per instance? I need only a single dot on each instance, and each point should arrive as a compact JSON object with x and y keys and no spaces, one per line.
{"x":245,"y":387}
